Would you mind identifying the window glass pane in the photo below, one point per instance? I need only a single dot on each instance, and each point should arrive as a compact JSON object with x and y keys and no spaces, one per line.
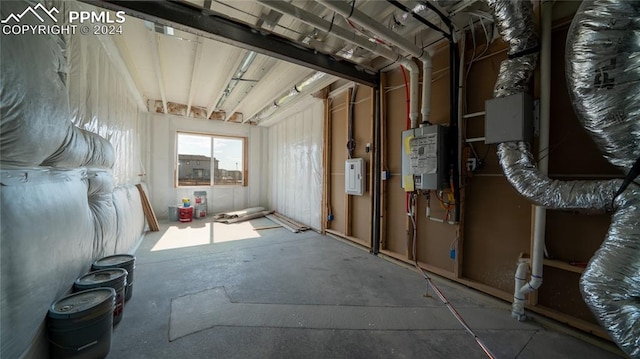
{"x":194,"y":160}
{"x":228,"y":160}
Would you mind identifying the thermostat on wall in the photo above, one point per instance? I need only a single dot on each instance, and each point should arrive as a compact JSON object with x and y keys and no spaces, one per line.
{"x":354,"y":176}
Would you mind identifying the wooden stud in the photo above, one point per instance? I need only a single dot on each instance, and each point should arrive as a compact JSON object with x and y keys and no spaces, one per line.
{"x":532,"y":298}
{"x":359,"y":241}
{"x":383,"y":148}
{"x":328,"y":168}
{"x":325,"y":164}
{"x":372,"y":150}
{"x":347,"y":199}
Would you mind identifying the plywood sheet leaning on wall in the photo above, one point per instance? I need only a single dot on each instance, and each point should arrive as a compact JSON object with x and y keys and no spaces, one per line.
{"x":148,"y":210}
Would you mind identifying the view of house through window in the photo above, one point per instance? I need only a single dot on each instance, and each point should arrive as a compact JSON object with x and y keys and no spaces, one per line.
{"x":205,"y":160}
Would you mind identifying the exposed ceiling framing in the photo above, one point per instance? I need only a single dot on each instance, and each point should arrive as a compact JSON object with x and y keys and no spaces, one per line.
{"x":183,"y":56}
{"x":202,"y":22}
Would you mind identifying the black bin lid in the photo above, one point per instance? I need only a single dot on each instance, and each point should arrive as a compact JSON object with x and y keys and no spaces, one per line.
{"x":78,"y":304}
{"x":114,"y":260}
{"x":101,"y":277}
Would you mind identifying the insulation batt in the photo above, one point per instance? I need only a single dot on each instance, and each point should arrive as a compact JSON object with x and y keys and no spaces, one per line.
{"x":603,"y":76}
{"x":59,"y":208}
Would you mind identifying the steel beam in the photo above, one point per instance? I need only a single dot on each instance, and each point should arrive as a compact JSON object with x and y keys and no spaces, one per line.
{"x":190,"y":18}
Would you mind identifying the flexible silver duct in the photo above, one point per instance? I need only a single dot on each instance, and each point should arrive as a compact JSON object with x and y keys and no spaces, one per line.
{"x":604,"y":76}
{"x":519,"y":167}
{"x":603,"y":62}
{"x":611,"y":282}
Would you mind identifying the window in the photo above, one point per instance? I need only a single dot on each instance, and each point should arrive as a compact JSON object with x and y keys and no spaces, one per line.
{"x":205,"y":160}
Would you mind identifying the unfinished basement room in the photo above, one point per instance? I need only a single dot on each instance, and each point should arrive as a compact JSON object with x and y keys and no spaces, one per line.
{"x":320,"y":179}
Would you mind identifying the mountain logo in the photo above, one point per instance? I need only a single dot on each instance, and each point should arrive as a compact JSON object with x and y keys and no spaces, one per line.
{"x":36,"y":11}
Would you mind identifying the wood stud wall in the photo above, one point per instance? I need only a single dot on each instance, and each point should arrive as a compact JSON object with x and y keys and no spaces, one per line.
{"x":496,"y":222}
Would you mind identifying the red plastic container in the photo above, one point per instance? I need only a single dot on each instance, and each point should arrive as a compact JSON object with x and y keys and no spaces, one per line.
{"x":185,"y":214}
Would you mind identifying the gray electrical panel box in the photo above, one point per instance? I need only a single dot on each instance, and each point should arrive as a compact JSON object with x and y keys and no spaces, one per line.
{"x":509,"y":119}
{"x":424,"y":158}
{"x":354,"y":174}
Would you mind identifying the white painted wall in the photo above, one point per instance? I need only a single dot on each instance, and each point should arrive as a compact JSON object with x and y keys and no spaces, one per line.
{"x":295,"y":163}
{"x":163,"y":160}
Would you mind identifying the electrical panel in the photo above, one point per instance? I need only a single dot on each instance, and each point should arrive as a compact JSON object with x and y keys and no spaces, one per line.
{"x":354,"y":176}
{"x":424,"y":158}
{"x":509,"y":119}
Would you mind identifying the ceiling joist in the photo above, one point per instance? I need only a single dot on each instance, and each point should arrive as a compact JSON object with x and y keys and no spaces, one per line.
{"x":196,"y":65}
{"x":158,"y":67}
{"x":202,"y":22}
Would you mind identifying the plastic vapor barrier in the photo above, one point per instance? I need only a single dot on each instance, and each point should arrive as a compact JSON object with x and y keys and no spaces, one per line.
{"x":100,"y":98}
{"x":47,"y":241}
{"x":103,"y":212}
{"x":31,"y":131}
{"x":70,"y":129}
{"x":130,"y":217}
{"x":295,"y":166}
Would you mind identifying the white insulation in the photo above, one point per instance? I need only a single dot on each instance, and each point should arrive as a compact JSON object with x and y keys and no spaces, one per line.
{"x":295,"y":164}
{"x":71,"y":150}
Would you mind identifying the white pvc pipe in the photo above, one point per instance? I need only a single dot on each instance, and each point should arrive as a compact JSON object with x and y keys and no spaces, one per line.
{"x":427,"y":66}
{"x":386,"y":34}
{"x":414,"y":73}
{"x":540,"y":213}
{"x":517,"y":310}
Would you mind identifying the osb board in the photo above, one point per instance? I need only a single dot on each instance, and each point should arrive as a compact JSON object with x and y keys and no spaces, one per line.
{"x":440,"y":107}
{"x":434,"y":238}
{"x":479,"y":87}
{"x":338,"y":155}
{"x":482,"y":76}
{"x":572,"y":149}
{"x":338,"y":108}
{"x":396,"y":238}
{"x":363,"y":124}
{"x":561,"y":292}
{"x":396,"y":235}
{"x":360,"y":207}
{"x":337,"y":202}
{"x":396,"y":123}
{"x":575,"y":237}
{"x":497,"y":229}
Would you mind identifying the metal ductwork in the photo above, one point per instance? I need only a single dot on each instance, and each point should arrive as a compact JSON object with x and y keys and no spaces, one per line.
{"x":603,"y":75}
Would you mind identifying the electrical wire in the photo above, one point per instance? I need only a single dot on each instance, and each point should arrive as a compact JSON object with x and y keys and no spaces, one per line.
{"x":410,"y":198}
{"x":444,"y":299}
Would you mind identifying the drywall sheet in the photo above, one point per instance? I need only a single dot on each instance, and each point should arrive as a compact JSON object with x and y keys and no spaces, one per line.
{"x":295,"y":165}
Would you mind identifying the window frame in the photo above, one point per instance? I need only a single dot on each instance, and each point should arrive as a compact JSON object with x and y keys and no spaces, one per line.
{"x":213,"y":136}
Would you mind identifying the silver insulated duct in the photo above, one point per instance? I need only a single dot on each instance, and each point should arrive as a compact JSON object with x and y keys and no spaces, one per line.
{"x":603,"y":74}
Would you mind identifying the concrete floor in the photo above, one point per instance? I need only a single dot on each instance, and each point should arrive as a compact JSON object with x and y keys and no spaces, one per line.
{"x":229,"y":291}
